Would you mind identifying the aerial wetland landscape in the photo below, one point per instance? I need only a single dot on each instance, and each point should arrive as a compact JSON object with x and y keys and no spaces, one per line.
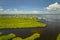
{"x":29,"y":19}
{"x":27,"y":27}
{"x":8,"y":23}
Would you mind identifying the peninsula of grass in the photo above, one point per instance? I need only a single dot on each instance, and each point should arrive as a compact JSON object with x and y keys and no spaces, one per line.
{"x":12,"y":36}
{"x":20,"y":23}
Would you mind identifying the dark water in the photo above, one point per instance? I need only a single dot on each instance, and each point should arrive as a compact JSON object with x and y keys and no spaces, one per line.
{"x":50,"y":32}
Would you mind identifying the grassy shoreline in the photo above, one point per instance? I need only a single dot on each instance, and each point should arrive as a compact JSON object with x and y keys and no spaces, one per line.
{"x":20,"y":23}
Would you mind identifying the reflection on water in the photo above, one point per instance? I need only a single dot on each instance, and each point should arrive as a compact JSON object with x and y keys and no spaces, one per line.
{"x":50,"y":17}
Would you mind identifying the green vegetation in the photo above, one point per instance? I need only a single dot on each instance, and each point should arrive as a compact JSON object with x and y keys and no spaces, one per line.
{"x":34,"y":36}
{"x":0,"y":33}
{"x":7,"y":37}
{"x":20,"y":23}
{"x":17,"y":38}
{"x":13,"y":37}
{"x":58,"y":37}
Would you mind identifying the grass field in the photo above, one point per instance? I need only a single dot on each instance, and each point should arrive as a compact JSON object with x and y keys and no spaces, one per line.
{"x":20,"y":23}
